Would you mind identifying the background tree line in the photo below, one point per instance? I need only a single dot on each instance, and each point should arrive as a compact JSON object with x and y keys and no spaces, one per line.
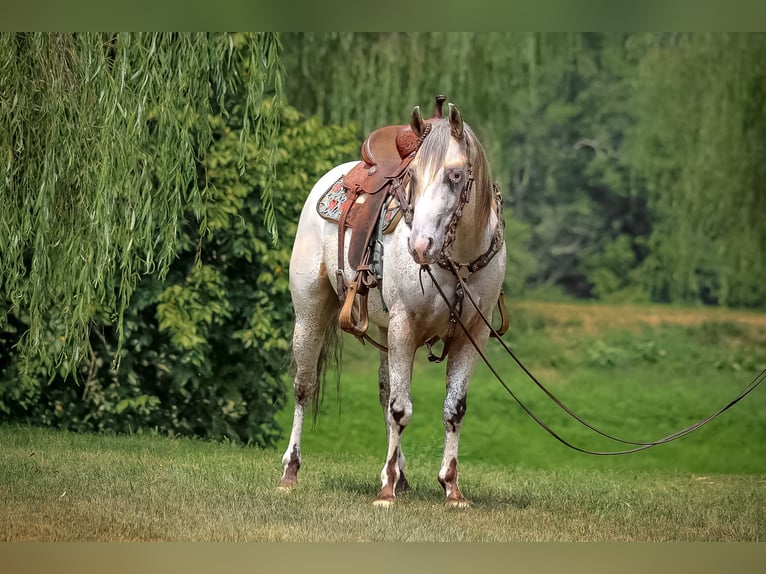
{"x":632,"y":163}
{"x":145,"y":177}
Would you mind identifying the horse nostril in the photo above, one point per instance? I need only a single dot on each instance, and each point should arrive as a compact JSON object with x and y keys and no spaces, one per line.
{"x":421,"y":248}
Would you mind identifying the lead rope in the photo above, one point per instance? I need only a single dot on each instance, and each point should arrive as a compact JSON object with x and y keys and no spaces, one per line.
{"x":757,"y":380}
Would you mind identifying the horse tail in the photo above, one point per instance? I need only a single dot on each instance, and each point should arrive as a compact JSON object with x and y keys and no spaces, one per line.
{"x":330,"y":357}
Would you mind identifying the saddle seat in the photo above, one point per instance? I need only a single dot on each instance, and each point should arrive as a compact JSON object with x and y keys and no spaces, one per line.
{"x":388,"y":145}
{"x":383,"y":153}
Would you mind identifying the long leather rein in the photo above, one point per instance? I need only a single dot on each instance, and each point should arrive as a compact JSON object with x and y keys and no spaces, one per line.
{"x":461,"y":272}
{"x":757,"y":380}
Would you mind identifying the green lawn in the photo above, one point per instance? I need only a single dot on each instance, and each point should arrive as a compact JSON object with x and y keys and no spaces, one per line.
{"x":638,"y":372}
{"x":58,"y":486}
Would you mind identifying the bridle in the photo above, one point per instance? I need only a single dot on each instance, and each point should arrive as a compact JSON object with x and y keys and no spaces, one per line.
{"x":461,"y":271}
{"x":445,"y":260}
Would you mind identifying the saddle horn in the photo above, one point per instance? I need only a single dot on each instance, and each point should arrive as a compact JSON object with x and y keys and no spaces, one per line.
{"x":438,"y":107}
{"x":455,"y":122}
{"x":416,"y":122}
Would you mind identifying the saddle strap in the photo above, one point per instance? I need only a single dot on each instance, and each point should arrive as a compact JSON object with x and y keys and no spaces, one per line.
{"x":341,"y":281}
{"x":380,"y":182}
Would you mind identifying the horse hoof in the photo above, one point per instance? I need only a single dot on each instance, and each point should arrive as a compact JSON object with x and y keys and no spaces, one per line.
{"x":286,"y":485}
{"x":458,"y":503}
{"x":383,"y":503}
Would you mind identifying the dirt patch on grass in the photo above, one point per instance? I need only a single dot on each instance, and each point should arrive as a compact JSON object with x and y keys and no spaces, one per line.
{"x":594,"y":318}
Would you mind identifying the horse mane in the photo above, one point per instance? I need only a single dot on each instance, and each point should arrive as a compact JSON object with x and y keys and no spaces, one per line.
{"x":433,"y":150}
{"x":482,"y":187}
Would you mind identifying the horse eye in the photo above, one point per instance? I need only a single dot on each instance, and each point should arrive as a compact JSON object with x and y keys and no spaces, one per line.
{"x":455,"y":175}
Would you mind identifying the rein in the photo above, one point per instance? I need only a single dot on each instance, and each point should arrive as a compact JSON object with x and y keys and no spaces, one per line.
{"x":757,"y":380}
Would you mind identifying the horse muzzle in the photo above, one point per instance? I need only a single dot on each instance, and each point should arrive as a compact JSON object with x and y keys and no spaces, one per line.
{"x":424,"y":249}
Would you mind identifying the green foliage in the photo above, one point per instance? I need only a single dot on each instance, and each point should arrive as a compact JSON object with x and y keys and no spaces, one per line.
{"x":520,"y":262}
{"x":102,"y":136}
{"x":614,"y":272}
{"x":594,"y":137}
{"x":205,"y":350}
{"x":700,"y":145}
{"x":568,"y":177}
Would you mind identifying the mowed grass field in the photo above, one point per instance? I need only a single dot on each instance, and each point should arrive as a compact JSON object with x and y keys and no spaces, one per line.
{"x":640,"y":372}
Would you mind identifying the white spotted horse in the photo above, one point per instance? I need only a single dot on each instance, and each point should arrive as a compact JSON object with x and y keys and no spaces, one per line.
{"x":354,"y":263}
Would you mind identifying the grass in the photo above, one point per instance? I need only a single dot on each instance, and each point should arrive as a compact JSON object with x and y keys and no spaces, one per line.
{"x":57,"y":486}
{"x":637,"y":371}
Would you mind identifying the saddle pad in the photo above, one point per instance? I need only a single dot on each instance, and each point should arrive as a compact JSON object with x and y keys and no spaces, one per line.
{"x":330,"y":206}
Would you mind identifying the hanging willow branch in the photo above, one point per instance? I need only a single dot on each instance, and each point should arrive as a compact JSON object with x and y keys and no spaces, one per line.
{"x":102,"y":140}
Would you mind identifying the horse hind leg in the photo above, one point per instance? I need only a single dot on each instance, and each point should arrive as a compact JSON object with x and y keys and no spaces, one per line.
{"x":315,"y":342}
{"x":384,"y":387}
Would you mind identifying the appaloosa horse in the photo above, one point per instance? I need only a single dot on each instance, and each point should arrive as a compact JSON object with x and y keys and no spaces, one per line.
{"x":453,"y":226}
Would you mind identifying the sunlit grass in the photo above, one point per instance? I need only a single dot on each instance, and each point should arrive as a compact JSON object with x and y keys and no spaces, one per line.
{"x":57,"y":486}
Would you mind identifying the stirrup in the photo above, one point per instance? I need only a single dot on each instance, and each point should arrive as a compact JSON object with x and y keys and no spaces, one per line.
{"x":346,"y":317}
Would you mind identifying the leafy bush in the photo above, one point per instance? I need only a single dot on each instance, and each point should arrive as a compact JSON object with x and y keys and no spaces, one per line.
{"x":614,"y":274}
{"x":204,"y":350}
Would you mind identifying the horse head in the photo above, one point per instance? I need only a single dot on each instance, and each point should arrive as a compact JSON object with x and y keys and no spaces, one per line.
{"x":440,"y":180}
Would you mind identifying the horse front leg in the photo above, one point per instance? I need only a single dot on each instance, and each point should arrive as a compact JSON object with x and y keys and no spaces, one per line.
{"x":460,"y":367}
{"x":397,"y":408}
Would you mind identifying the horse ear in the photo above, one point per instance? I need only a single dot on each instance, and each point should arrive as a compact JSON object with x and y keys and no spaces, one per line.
{"x":455,"y":122}
{"x":416,"y":122}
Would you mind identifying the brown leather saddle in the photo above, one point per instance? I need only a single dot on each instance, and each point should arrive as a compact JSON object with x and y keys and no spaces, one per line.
{"x":385,"y":155}
{"x":381,"y":177}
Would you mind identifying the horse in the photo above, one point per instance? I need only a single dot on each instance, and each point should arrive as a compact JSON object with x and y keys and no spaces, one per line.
{"x":455,"y":232}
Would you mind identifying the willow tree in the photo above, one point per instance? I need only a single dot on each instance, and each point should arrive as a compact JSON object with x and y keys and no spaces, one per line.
{"x":102,"y":150}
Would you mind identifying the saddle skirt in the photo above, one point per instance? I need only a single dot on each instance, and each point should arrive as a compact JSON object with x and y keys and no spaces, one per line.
{"x":331,"y":204}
